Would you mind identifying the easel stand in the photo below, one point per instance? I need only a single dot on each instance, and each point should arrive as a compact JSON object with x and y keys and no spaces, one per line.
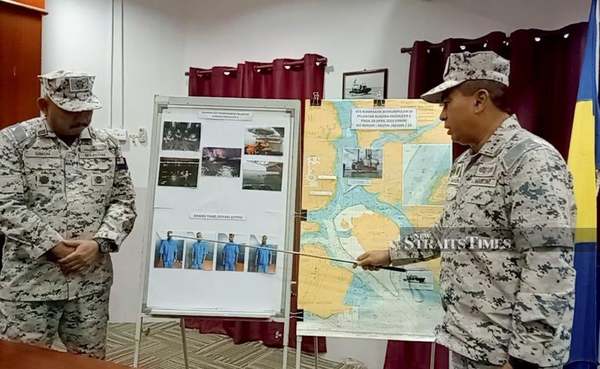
{"x":218,"y":125}
{"x":139,"y":333}
{"x":139,"y":329}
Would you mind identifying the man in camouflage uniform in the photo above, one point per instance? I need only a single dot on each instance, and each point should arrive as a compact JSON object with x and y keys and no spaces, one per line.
{"x":66,"y":202}
{"x":505,"y":236}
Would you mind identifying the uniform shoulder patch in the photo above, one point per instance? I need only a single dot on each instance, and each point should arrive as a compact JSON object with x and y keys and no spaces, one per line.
{"x":514,"y":154}
{"x":104,"y":136}
{"x":22,"y":133}
{"x":19,"y":133}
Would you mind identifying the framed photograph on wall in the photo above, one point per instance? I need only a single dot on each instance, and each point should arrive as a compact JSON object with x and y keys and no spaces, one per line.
{"x":366,"y":84}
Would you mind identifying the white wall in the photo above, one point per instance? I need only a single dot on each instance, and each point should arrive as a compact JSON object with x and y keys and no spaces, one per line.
{"x":164,"y":38}
{"x":76,"y":36}
{"x":356,"y":34}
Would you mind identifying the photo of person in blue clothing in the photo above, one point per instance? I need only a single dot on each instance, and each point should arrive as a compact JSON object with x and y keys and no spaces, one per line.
{"x":199,"y":253}
{"x":230,"y":254}
{"x":168,"y":252}
{"x":262,"y":258}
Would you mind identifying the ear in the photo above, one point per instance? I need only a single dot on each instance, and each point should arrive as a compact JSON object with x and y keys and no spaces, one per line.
{"x":42,"y":104}
{"x":481,"y":100}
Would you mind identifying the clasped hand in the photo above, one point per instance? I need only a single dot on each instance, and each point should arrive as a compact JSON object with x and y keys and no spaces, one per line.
{"x":74,"y":255}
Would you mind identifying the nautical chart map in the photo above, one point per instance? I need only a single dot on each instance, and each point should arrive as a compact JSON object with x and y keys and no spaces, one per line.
{"x":362,"y":188}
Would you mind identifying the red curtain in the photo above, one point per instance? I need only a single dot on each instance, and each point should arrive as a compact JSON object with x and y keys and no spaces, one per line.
{"x":217,"y":81}
{"x":279,"y":79}
{"x":544,"y":77}
{"x":544,"y":80}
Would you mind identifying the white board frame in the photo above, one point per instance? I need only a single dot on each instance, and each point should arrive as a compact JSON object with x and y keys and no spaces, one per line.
{"x":292,"y":107}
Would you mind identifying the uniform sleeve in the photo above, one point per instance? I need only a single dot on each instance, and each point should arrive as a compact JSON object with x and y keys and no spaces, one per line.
{"x":120,"y":215}
{"x":542,"y":219}
{"x":417,"y":247}
{"x":423,"y":245}
{"x":17,"y":221}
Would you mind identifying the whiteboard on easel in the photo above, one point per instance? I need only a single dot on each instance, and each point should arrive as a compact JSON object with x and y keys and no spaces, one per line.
{"x":222,"y":179}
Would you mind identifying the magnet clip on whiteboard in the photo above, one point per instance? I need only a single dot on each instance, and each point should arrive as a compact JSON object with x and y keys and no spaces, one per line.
{"x":302,"y":215}
{"x":379,"y":101}
{"x":298,"y":315}
{"x":316,"y":99}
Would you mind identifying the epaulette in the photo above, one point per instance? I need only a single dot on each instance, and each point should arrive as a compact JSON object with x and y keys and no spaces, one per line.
{"x":20,"y":135}
{"x":514,"y":154}
{"x":103,"y":135}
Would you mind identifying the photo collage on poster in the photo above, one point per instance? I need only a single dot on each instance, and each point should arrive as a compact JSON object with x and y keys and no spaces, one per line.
{"x":215,"y":251}
{"x":259,"y":162}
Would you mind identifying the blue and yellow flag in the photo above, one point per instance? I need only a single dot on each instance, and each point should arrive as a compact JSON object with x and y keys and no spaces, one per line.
{"x":584,"y":161}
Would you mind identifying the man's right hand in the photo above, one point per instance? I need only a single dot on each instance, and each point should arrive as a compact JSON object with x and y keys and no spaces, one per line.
{"x":61,"y":250}
{"x":372,"y":260}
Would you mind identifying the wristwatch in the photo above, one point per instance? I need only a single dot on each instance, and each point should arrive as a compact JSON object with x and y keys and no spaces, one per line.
{"x":105,"y":245}
{"x":517,"y":363}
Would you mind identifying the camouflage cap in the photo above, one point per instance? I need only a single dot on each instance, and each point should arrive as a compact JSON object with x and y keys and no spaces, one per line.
{"x":71,"y":91}
{"x":466,"y":66}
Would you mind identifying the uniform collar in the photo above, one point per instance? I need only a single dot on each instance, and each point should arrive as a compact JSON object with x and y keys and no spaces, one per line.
{"x":45,"y":131}
{"x":86,"y":134}
{"x":500,"y":136}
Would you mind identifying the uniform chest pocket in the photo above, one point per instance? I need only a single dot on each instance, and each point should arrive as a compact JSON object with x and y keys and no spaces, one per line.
{"x":97,"y":169}
{"x":43,"y":174}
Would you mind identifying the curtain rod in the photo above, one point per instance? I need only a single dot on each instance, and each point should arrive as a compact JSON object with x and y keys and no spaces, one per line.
{"x":405,"y":50}
{"x":266,"y":66}
{"x":540,"y":33}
